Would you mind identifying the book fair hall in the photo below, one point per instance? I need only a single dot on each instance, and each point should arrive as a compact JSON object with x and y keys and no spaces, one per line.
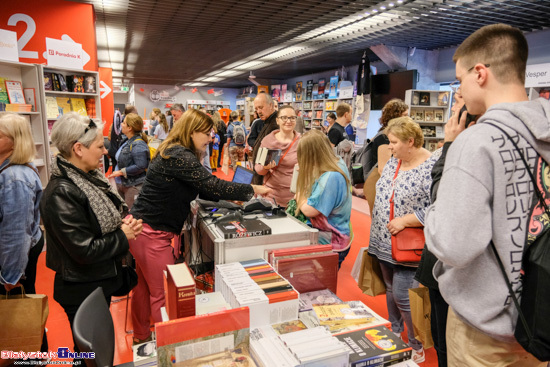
{"x":275,"y":183}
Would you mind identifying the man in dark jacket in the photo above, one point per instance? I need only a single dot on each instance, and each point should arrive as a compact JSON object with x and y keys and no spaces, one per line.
{"x":264,"y":106}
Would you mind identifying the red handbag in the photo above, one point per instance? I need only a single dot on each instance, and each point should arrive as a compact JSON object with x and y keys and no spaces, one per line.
{"x":408,"y":244}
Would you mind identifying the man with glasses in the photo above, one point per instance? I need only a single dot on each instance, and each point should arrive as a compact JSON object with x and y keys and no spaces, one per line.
{"x":485,"y":196}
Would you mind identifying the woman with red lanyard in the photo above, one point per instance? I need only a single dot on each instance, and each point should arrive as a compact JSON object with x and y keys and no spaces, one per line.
{"x":279,"y":175}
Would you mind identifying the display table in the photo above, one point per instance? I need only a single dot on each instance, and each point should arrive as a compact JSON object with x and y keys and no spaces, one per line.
{"x":208,"y":241}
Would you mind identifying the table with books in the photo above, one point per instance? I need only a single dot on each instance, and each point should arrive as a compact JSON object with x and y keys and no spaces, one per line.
{"x":210,"y":242}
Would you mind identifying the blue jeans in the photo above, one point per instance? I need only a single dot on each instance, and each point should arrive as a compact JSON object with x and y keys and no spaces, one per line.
{"x":398,"y":281}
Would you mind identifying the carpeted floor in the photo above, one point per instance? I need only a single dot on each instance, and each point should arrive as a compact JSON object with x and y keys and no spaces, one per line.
{"x":59,"y":334}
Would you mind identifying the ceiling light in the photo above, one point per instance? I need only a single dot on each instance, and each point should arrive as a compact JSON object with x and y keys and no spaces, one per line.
{"x":211,"y":79}
{"x":229,"y":73}
{"x":249,"y":65}
{"x":400,"y":1}
{"x":391,"y":5}
{"x":382,"y":7}
{"x":196,"y":84}
{"x":367,"y":14}
{"x":375,"y":10}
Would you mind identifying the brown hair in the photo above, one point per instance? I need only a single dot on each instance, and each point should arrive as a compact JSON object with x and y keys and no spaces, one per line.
{"x":284,"y":107}
{"x":342,"y":108}
{"x":393,"y":109}
{"x":405,"y":128}
{"x":163,"y":122}
{"x":234,"y":115}
{"x":130,"y":109}
{"x":191,"y":121}
{"x":135,"y":122}
{"x":501,"y":46}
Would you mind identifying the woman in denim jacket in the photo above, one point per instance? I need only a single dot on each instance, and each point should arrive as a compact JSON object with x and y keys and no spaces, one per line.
{"x":132,"y":159}
{"x":21,"y":239}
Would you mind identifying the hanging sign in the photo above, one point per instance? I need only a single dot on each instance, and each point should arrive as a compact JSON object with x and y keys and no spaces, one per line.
{"x":8,"y":46}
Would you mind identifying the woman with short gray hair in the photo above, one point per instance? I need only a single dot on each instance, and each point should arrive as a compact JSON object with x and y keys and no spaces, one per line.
{"x":82,"y":214}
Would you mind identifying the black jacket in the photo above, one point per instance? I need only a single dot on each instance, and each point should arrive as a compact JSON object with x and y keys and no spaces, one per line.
{"x":76,"y":249}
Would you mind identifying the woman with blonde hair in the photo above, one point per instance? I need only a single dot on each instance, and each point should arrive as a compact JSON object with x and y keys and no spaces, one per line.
{"x":406,"y":181}
{"x":132,"y":159}
{"x":153,"y":117}
{"x":21,"y":240}
{"x":323,"y":192}
{"x":175,"y":177}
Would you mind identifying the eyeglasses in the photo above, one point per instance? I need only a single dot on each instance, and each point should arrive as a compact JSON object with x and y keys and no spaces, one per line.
{"x":91,"y":125}
{"x":455,"y":86}
{"x":287,"y":118}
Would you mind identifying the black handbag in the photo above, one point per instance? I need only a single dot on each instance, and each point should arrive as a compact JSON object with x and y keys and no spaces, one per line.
{"x":129,"y":277}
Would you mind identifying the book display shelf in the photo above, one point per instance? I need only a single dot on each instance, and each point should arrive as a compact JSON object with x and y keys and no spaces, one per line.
{"x":67,"y":90}
{"x":314,"y":112}
{"x":430,"y":109}
{"x":29,"y":78}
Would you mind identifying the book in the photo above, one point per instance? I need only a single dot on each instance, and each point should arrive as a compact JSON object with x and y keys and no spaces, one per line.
{"x":75,"y":83}
{"x":309,"y":90}
{"x":210,"y":302}
{"x":276,"y":92}
{"x":79,"y":106}
{"x":145,"y":354}
{"x":443,"y":99}
{"x":265,"y":156}
{"x":374,"y":346}
{"x":180,"y":291}
{"x":320,"y":297}
{"x":89,"y":84}
{"x":310,"y":272}
{"x":289,"y":327}
{"x":333,"y":87}
{"x":48,"y":82}
{"x":30,"y":97}
{"x":3,"y":92}
{"x":429,"y":115}
{"x":18,"y":107}
{"x":234,"y":357}
{"x":424,"y":99}
{"x":64,"y":105}
{"x":330,"y":105}
{"x":299,"y":91}
{"x":62,"y":83}
{"x":321,"y":88}
{"x":90,"y":107}
{"x":15,"y":92}
{"x":55,"y":82}
{"x":419,"y":115}
{"x":343,"y":314}
{"x":438,"y":116}
{"x":246,"y":228}
{"x":52,"y":111}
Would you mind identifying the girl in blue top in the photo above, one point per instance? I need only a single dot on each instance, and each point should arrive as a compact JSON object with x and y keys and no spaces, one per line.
{"x":323,"y":192}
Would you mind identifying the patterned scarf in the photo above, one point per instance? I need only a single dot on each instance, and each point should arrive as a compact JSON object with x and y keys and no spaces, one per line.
{"x":106,"y":203}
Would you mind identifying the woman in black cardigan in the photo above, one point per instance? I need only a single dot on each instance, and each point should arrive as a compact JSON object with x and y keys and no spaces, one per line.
{"x":175,"y":177}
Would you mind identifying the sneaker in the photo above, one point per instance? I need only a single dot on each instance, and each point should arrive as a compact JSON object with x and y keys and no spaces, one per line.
{"x":418,"y":356}
{"x":139,"y":341}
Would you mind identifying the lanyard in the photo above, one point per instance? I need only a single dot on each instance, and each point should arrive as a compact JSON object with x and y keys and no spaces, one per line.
{"x":393,"y":188}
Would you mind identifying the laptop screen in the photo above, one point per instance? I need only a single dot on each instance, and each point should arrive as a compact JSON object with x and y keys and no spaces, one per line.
{"x":243,"y":175}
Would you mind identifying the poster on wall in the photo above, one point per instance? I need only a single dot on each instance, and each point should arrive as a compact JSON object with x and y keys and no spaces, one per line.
{"x":309,"y":90}
{"x":276,"y":92}
{"x":299,"y":91}
{"x":263,"y":89}
{"x":332,"y":87}
{"x":34,"y":21}
{"x":8,"y":46}
{"x":321,"y":88}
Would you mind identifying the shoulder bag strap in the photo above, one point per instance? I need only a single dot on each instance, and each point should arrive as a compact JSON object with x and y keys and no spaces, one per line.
{"x":393,"y":188}
{"x":8,"y":165}
{"x":26,"y":164}
{"x":500,"y":264}
{"x":280,"y":160}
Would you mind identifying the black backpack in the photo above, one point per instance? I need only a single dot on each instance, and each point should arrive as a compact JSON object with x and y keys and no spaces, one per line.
{"x":533,"y":325}
{"x":362,"y":162}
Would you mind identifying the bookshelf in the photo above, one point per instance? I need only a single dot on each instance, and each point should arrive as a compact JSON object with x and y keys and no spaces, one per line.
{"x":29,"y":77}
{"x":430,"y":109}
{"x":86,"y":100}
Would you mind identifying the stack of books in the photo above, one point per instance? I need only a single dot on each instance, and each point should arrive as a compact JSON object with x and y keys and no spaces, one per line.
{"x":307,"y":268}
{"x":342,"y":315}
{"x":374,"y":346}
{"x":310,"y":347}
{"x":180,"y":291}
{"x":210,"y":302}
{"x":18,"y":107}
{"x":265,"y":156}
{"x":255,"y":284}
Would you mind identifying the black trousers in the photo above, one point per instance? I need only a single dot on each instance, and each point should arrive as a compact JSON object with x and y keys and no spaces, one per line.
{"x":439,"y":325}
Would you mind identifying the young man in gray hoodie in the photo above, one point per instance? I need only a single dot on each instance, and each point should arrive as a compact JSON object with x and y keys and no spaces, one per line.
{"x":485,"y":195}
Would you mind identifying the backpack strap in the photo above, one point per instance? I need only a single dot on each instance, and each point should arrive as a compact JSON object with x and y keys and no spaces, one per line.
{"x":26,"y":164}
{"x":500,"y":264}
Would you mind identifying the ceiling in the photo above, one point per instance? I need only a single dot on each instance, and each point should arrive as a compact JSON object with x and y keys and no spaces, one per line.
{"x":219,"y":42}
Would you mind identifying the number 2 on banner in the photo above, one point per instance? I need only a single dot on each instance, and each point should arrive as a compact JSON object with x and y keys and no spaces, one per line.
{"x":26,"y":37}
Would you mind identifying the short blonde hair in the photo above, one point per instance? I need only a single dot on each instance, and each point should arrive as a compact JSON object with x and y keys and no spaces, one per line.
{"x":404,"y":128}
{"x":18,"y":129}
{"x":71,"y":128}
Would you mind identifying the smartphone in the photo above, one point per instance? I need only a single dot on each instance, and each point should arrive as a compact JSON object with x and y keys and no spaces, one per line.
{"x":469,"y":118}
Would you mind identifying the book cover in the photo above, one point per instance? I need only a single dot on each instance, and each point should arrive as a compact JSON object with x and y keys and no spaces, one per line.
{"x":90,"y":107}
{"x":272,"y":155}
{"x":324,"y":296}
{"x":62,"y":83}
{"x":89,"y":84}
{"x":438,"y":116}
{"x":48,"y":83}
{"x":309,"y":90}
{"x":299,"y":91}
{"x":289,"y":327}
{"x":321,"y":88}
{"x":55,"y":81}
{"x":335,"y":316}
{"x":443,"y":98}
{"x":419,"y":115}
{"x":429,"y":116}
{"x":75,"y":83}
{"x":3,"y":92}
{"x":424,"y":99}
{"x":330,"y":105}
{"x":52,"y":111}
{"x":15,"y":92}
{"x":263,"y":89}
{"x":30,"y":97}
{"x":64,"y":103}
{"x":374,"y":345}
{"x":79,"y":106}
{"x":276,"y":92}
{"x":246,"y":228}
{"x":180,"y":291}
{"x":309,"y":273}
{"x":177,"y":338}
{"x":333,"y":87}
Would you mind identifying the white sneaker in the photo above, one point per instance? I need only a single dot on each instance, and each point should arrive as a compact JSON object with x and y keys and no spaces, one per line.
{"x":418,"y":356}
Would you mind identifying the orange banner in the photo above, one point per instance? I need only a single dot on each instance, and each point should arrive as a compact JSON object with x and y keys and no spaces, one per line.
{"x":107,"y":98}
{"x":35,"y":20}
